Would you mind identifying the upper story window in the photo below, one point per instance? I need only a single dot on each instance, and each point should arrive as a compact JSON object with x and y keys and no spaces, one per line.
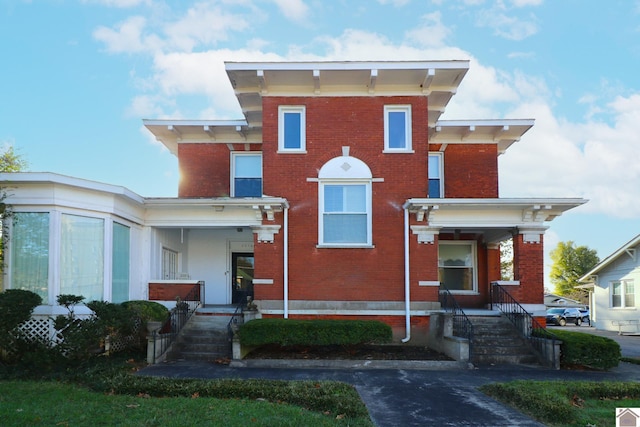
{"x":344,"y":203}
{"x":397,"y":128}
{"x":291,"y":129}
{"x":246,"y":174}
{"x":436,"y":181}
{"x":623,"y":294}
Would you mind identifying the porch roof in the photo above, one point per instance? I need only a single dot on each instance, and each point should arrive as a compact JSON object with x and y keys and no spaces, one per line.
{"x":494,"y":217}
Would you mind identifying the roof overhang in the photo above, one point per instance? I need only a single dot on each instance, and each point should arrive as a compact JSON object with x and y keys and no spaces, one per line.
{"x":628,"y":249}
{"x":439,"y":80}
{"x":502,"y":132}
{"x":173,"y":132}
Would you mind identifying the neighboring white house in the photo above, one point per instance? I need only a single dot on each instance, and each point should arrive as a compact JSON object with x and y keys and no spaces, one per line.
{"x":612,"y":289}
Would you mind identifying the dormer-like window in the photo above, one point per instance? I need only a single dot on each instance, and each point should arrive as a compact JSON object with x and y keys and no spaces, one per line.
{"x":397,"y":128}
{"x":246,"y":174}
{"x":291,"y":129}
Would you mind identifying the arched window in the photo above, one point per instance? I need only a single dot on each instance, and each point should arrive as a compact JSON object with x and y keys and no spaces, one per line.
{"x":344,"y":192}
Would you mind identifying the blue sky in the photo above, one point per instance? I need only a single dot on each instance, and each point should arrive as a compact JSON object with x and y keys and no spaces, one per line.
{"x":78,"y":77}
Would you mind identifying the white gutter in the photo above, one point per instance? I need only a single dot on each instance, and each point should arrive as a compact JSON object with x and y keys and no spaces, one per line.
{"x":286,"y":263}
{"x":407,"y":297}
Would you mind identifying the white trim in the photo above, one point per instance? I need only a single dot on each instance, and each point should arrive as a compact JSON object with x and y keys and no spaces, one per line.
{"x":301,"y":110}
{"x":347,"y":312}
{"x":406,"y":109}
{"x":368,"y":211}
{"x":428,"y":283}
{"x":507,"y":282}
{"x":262,"y":281}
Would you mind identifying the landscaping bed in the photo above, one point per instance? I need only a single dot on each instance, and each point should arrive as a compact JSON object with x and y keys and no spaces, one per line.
{"x":338,"y":352}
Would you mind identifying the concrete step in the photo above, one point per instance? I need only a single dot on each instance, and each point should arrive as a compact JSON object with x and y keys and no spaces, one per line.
{"x":496,"y":341}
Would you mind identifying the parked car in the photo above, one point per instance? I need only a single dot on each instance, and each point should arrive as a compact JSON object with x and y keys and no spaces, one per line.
{"x":585,"y":315}
{"x":562,"y":316}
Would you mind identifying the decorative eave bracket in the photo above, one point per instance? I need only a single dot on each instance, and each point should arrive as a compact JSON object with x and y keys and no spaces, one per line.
{"x":265,"y":233}
{"x":424,"y":212}
{"x":264,"y":211}
{"x":538,"y":214}
{"x":426,"y":234}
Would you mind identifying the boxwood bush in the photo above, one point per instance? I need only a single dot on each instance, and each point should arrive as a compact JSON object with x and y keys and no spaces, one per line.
{"x":588,"y":350}
{"x":286,"y":332}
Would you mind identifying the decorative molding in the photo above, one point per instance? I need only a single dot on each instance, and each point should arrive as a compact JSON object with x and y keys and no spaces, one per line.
{"x":532,"y":235}
{"x":426,"y":234}
{"x":265,"y":233}
{"x":263,"y":281}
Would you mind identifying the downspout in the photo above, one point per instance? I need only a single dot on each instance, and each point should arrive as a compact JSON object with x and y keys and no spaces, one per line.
{"x":286,"y":263}
{"x":407,"y":297}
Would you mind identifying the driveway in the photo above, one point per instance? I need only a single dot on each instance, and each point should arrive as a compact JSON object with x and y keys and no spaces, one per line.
{"x":402,"y":397}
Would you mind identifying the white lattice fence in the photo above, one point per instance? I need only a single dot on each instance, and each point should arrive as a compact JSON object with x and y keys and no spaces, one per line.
{"x":41,"y":327}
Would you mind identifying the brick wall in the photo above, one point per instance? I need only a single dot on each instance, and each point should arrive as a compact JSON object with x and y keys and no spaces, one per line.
{"x":471,"y":171}
{"x":528,"y":268}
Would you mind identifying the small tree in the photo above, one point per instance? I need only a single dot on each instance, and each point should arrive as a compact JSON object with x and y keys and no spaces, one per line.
{"x":10,"y":161}
{"x":570,"y":262}
{"x":506,"y":260}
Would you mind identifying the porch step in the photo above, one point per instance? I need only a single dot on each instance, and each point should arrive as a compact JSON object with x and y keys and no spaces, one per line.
{"x":496,"y":341}
{"x":204,"y":337}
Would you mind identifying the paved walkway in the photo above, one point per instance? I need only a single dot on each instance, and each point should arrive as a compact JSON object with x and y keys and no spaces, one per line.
{"x":402,"y":397}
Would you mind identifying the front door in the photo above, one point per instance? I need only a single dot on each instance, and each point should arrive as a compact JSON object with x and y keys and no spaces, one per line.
{"x":242,"y":278}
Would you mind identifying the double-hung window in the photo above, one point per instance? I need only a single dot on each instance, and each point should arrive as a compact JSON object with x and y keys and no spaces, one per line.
{"x":30,"y":253}
{"x":457,"y":266}
{"x":345,"y":214}
{"x":291,"y":129}
{"x":623,"y":294}
{"x":436,"y":184}
{"x":397,"y":128}
{"x":246,"y":170}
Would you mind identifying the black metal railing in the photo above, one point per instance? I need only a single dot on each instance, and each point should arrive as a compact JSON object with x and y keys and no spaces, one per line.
{"x":538,"y":337}
{"x":462,"y":326}
{"x":164,"y":337}
{"x":235,"y":317}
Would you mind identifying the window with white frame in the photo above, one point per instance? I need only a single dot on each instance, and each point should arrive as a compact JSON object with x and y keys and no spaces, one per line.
{"x":120,"y":263}
{"x":436,"y":183}
{"x":623,"y":294}
{"x":344,"y":203}
{"x":169,"y":264}
{"x":246,"y":171}
{"x":30,"y":253}
{"x":82,"y":256}
{"x":291,"y":129}
{"x":397,"y":128}
{"x":457,"y":266}
{"x":345,"y":214}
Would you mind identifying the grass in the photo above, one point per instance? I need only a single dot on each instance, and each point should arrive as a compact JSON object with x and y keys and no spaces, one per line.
{"x":567,"y":403}
{"x":104,"y":391}
{"x":31,"y":403}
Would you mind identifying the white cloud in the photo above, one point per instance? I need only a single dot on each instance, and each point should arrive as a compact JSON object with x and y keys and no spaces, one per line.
{"x":294,"y":10}
{"x":503,"y":25}
{"x":396,"y":3}
{"x":128,"y":37}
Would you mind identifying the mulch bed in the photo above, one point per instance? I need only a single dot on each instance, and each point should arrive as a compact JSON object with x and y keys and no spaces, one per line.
{"x":336,"y":352}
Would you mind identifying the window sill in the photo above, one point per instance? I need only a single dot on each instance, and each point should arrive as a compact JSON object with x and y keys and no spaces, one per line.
{"x":389,"y":151}
{"x":291,"y":151}
{"x":345,"y":246}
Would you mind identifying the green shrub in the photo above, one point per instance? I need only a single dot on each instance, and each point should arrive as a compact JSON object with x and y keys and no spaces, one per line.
{"x":148,"y":310}
{"x":313,"y":332}
{"x":16,"y":306}
{"x":588,"y":350}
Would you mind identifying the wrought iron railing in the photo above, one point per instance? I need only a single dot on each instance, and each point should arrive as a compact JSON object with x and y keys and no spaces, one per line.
{"x":235,"y":317}
{"x":538,"y":337}
{"x":164,"y":337}
{"x":462,"y":326}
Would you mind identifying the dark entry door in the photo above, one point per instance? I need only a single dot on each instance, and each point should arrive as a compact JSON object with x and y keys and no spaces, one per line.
{"x":242,"y":280}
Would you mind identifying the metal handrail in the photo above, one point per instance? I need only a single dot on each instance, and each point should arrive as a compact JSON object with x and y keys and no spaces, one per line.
{"x":529,"y":328}
{"x":235,"y":316}
{"x":462,"y":326}
{"x":164,"y":337}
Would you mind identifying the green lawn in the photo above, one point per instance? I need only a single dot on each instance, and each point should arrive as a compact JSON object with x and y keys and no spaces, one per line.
{"x":32,"y":403}
{"x":567,"y":403}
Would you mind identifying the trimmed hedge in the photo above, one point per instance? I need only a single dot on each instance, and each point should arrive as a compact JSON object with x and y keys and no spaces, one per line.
{"x":593,"y":351}
{"x":313,"y":332}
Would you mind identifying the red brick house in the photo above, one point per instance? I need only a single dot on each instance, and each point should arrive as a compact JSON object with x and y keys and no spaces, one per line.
{"x":340,"y":194}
